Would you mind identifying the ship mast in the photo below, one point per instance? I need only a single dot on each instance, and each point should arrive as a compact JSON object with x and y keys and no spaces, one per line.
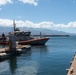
{"x":14,"y":25}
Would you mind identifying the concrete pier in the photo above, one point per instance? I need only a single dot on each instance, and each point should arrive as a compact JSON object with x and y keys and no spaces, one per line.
{"x":23,"y":47}
{"x":6,"y":49}
{"x":3,"y":50}
{"x":6,"y":53}
{"x":72,"y":69}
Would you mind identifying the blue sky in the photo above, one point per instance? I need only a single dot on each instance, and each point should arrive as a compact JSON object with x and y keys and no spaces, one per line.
{"x":49,"y":14}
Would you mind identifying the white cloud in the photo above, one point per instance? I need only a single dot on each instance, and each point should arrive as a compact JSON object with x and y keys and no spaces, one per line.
{"x":45,"y":24}
{"x":49,"y":25}
{"x":72,"y":24}
{"x":3,"y":2}
{"x":5,"y":22}
{"x":34,"y":2}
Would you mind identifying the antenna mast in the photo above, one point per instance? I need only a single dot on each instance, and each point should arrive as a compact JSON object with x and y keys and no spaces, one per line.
{"x":14,"y":25}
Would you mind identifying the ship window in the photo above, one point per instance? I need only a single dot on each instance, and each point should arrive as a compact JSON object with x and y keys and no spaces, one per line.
{"x":16,"y":34}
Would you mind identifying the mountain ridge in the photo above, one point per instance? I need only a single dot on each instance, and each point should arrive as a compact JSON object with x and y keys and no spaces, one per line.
{"x":34,"y":31}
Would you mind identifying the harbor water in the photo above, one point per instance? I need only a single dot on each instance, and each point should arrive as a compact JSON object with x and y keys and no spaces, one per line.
{"x":52,"y":59}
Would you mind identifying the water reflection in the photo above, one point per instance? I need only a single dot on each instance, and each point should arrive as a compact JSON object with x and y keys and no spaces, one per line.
{"x":25,"y":62}
{"x":25,"y":56}
{"x":13,"y":64}
{"x":42,"y":49}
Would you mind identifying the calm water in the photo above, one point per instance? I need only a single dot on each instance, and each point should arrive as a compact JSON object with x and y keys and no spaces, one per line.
{"x":52,"y":59}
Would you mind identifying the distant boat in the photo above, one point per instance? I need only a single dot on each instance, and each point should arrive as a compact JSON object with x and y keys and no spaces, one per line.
{"x":25,"y":38}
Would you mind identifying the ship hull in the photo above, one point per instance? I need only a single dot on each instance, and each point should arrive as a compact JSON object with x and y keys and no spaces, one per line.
{"x":36,"y":41}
